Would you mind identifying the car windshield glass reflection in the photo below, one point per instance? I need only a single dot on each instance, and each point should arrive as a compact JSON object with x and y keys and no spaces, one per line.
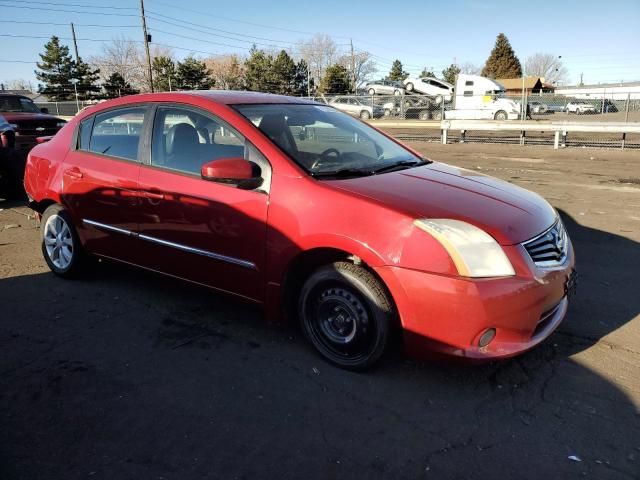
{"x":325,"y":142}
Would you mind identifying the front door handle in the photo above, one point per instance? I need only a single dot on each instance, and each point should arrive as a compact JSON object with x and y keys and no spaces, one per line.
{"x":73,"y":173}
{"x":152,"y":195}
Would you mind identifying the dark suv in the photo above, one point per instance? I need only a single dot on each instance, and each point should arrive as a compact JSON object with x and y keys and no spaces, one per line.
{"x":27,"y":120}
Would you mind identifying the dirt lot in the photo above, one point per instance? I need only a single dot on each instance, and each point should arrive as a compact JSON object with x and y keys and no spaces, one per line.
{"x":129,"y":375}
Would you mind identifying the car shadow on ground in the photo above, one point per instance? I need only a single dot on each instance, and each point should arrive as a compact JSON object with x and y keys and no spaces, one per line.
{"x":128,"y":374}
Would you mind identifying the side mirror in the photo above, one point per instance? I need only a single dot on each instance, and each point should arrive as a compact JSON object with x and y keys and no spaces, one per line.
{"x":44,"y":110}
{"x":233,"y":171}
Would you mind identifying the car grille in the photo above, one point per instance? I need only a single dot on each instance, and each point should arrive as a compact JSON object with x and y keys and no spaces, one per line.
{"x":37,"y":127}
{"x":550,"y":248}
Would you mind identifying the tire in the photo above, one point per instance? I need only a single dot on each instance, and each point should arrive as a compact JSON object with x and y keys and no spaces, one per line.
{"x":61,"y":246}
{"x":347,"y":315}
{"x":500,"y":115}
{"x":397,"y":93}
{"x":372,"y":91}
{"x":437,"y":116}
{"x":387,"y":112}
{"x":409,"y":87}
{"x":365,"y":115}
{"x":423,"y":115}
{"x":437,"y":100}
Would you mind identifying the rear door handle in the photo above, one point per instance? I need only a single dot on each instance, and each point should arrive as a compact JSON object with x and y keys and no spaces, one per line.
{"x":73,"y":173}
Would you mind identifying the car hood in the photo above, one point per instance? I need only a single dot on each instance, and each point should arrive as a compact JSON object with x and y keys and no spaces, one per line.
{"x":510,"y":214}
{"x":17,"y":116}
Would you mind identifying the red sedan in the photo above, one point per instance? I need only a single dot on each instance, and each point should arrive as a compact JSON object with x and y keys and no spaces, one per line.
{"x":309,"y":212}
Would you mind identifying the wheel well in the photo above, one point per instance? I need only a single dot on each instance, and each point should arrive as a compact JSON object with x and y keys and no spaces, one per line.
{"x":42,"y":205}
{"x":305,"y":264}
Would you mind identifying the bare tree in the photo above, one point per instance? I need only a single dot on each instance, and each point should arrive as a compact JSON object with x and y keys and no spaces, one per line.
{"x":18,"y":84}
{"x":469,"y":68}
{"x":227,"y":71}
{"x":547,"y":66}
{"x":127,"y":58}
{"x":360,"y":66}
{"x":319,"y":52}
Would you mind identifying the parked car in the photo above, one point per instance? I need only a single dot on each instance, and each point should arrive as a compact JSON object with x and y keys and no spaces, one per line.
{"x":580,"y":108}
{"x":11,"y":162}
{"x":556,"y":108}
{"x":384,"y":87}
{"x":538,"y":107}
{"x":309,"y":212}
{"x":438,"y":90}
{"x":28,"y":121}
{"x":357,"y":107}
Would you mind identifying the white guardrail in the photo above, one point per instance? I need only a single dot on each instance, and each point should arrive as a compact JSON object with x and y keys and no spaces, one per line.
{"x":560,"y":129}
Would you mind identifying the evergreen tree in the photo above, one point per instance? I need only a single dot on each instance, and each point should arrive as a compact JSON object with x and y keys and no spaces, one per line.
{"x":397,"y":73}
{"x":193,"y":74}
{"x":258,"y":71}
{"x":336,"y":80}
{"x":449,"y":73}
{"x":55,"y":70}
{"x":87,"y":78}
{"x":164,"y":74}
{"x":502,"y":63}
{"x":116,"y":86}
{"x":427,"y":73}
{"x":303,"y":83}
{"x":283,"y":71}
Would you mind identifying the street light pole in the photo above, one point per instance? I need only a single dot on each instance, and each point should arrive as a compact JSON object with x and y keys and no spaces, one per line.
{"x":75,"y":89}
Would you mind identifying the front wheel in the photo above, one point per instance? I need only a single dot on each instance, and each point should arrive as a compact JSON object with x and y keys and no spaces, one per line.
{"x":60,"y":243}
{"x":437,"y":99}
{"x":365,"y":115}
{"x":437,"y":115}
{"x":347,"y":315}
{"x":423,"y":115}
{"x":409,"y":87}
{"x":500,"y":115}
{"x":372,"y":91}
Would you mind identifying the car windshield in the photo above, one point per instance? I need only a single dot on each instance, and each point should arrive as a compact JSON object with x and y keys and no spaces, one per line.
{"x":17,"y":104}
{"x":326,"y":142}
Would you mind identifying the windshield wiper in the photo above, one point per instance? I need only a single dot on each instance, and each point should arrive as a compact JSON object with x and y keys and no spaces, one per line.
{"x":400,"y":166}
{"x":342,"y":173}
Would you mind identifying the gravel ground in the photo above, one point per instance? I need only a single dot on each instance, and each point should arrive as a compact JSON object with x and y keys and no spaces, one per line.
{"x":129,"y":375}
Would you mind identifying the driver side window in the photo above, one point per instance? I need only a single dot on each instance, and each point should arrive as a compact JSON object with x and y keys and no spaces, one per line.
{"x":185,"y":139}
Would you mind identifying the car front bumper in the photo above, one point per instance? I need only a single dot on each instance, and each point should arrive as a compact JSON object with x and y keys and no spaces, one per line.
{"x":448,"y":315}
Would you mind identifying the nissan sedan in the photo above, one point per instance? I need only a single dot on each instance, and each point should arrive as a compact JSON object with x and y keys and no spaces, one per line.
{"x":310,"y":213}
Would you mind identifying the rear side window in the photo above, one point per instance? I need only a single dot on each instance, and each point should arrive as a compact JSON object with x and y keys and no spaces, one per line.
{"x":115,"y":133}
{"x":84,"y":134}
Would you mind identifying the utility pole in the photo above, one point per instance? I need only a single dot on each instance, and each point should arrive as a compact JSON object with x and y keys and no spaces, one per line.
{"x":147,"y":38}
{"x":353,"y":66}
{"x":581,"y":82}
{"x":75,"y":42}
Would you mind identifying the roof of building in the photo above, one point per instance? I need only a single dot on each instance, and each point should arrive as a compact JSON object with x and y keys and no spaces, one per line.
{"x":603,"y":85}
{"x":516,"y":83}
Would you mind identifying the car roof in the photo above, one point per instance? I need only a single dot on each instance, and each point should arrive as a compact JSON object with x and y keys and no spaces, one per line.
{"x":233,"y":97}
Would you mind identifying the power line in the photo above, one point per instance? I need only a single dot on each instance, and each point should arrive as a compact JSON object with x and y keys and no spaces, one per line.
{"x":66,"y":24}
{"x":59,"y":4}
{"x":22,"y":7}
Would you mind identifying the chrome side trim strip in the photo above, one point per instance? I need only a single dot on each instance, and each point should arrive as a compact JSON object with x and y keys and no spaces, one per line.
{"x":197,"y":251}
{"x":178,"y":246}
{"x":110,"y":228}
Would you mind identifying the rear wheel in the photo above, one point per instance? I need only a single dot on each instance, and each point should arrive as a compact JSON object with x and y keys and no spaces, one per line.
{"x":347,"y":315}
{"x":423,"y":115}
{"x":60,"y":243}
{"x":437,"y":99}
{"x":500,"y":115}
{"x":372,"y":91}
{"x":365,"y":115}
{"x":437,"y":115}
{"x":409,"y":87}
{"x":387,"y":112}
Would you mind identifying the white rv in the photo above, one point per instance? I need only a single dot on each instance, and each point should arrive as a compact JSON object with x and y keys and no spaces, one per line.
{"x":480,"y":98}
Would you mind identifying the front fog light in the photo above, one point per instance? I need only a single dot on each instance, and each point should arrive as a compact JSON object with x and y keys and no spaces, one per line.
{"x":487,"y":337}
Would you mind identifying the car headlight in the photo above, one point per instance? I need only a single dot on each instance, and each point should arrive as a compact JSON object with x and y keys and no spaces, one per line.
{"x":474,"y":252}
{"x":61,"y":124}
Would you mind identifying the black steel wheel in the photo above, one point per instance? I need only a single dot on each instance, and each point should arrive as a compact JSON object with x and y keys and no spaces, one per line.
{"x":347,"y":314}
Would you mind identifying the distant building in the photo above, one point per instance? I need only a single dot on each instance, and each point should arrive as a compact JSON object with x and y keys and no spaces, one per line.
{"x":609,"y":91}
{"x":533,"y":85}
